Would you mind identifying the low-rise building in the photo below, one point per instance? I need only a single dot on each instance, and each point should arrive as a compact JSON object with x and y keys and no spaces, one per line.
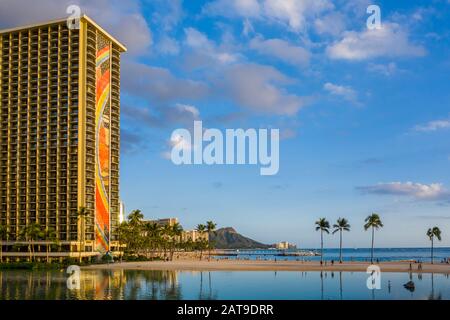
{"x":194,"y":236}
{"x":284,"y":245}
{"x":163,"y":222}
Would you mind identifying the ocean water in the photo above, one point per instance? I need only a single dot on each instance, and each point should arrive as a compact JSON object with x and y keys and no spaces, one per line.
{"x":357,"y":254}
{"x":246,"y":285}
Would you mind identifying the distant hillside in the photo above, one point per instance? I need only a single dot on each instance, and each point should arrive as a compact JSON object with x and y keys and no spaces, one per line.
{"x":228,"y":238}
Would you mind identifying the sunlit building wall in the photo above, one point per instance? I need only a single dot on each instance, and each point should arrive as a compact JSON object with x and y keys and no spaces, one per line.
{"x":59,"y":135}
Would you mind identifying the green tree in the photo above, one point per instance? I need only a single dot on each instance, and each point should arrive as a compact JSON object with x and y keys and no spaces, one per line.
{"x":81,"y":214}
{"x":136,"y":238}
{"x":122,"y":233}
{"x":341,"y":225}
{"x":3,"y":237}
{"x":374,"y":222}
{"x":135,"y":217}
{"x":152,"y":233}
{"x":176,"y":232}
{"x":156,"y":236}
{"x":51,"y":237}
{"x":31,"y":233}
{"x":210,"y":228}
{"x":166,"y":240}
{"x":323,"y":225}
{"x":433,"y":233}
{"x":201,"y":228}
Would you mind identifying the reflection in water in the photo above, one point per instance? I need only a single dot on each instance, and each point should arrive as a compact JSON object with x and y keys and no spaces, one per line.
{"x":206,"y":294}
{"x":167,"y":285}
{"x":94,"y":285}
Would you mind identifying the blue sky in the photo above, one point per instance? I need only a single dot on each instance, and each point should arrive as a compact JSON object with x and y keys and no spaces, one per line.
{"x":364,"y":115}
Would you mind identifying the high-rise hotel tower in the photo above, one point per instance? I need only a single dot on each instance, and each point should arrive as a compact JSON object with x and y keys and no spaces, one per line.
{"x":59,"y":140}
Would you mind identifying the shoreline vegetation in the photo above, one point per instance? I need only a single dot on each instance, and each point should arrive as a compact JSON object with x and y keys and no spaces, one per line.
{"x":150,"y":246}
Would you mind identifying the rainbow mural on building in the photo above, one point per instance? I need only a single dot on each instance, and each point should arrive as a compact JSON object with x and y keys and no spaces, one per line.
{"x":103,"y":150}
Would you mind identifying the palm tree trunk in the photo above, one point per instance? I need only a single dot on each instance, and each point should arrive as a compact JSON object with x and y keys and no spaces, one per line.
{"x":340,"y":247}
{"x":81,"y":236}
{"x":371,"y":254}
{"x":321,"y":285}
{"x":432,"y":249}
{"x":210,"y":287}
{"x":201,"y":284}
{"x":32,"y":251}
{"x":321,"y":245}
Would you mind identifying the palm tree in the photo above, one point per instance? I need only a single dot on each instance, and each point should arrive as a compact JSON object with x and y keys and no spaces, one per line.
{"x":210,"y":228}
{"x":432,"y":233}
{"x":176,"y":232}
{"x":135,"y":223}
{"x":50,"y":236}
{"x":31,"y":233}
{"x":373,"y":221}
{"x":341,"y":225}
{"x":323,"y":225}
{"x":152,"y":232}
{"x":166,"y":239}
{"x":135,"y":217}
{"x":82,"y":213}
{"x":201,"y":228}
{"x":121,"y":235}
{"x":3,"y":236}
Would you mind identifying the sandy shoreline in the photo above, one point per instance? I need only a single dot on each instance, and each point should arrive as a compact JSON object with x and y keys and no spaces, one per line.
{"x":252,"y":265}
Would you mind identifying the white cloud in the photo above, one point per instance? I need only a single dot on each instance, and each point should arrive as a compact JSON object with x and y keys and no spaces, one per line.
{"x":184,"y":108}
{"x":168,"y":46}
{"x":281,"y":50}
{"x":159,"y":85}
{"x":230,"y":8}
{"x":167,"y":14}
{"x":247,"y":27}
{"x":161,"y":116}
{"x":418,"y":191}
{"x":433,"y":126}
{"x":257,"y":88}
{"x":389,"y":41}
{"x":345,"y":92}
{"x":203,"y":46}
{"x":294,"y":14}
{"x":332,"y":23}
{"x":196,"y":39}
{"x":384,"y":69}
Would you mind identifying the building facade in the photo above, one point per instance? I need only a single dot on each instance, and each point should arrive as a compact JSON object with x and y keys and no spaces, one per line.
{"x":59,"y":138}
{"x":164,"y":222}
{"x":194,"y":236}
{"x":284,"y":245}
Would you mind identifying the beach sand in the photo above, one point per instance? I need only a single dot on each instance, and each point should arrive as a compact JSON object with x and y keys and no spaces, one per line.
{"x":261,"y":265}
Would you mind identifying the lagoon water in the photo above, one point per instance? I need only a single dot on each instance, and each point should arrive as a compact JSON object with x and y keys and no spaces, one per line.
{"x":162,"y":285}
